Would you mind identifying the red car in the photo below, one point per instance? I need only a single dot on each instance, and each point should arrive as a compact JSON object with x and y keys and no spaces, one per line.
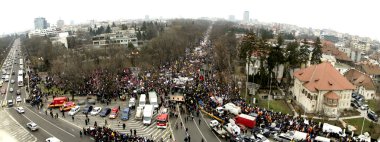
{"x":114,"y":113}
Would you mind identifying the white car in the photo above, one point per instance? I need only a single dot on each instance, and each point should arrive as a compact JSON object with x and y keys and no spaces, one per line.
{"x":96,"y":110}
{"x":53,"y":139}
{"x":32,"y":126}
{"x":18,"y":99}
{"x":20,"y":110}
{"x":12,"y":81}
{"x":11,"y":89}
{"x":74,"y":110}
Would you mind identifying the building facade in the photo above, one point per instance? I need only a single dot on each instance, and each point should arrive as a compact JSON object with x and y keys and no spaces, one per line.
{"x":364,"y":84}
{"x":322,"y":89}
{"x":246,"y":17}
{"x":40,"y":23}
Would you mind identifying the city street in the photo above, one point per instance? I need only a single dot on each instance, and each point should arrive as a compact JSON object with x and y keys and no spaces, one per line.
{"x":47,"y":127}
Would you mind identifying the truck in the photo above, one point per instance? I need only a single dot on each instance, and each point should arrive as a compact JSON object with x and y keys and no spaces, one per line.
{"x":246,"y":120}
{"x":153,"y":99}
{"x":148,"y":114}
{"x":139,"y":111}
{"x":218,"y":129}
{"x":232,"y":108}
{"x":58,"y":102}
{"x":335,"y":131}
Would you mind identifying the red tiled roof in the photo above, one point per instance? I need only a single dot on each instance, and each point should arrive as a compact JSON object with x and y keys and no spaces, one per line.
{"x":339,"y":55}
{"x":359,"y":79}
{"x":331,"y":95}
{"x":370,"y":69}
{"x":322,"y":77}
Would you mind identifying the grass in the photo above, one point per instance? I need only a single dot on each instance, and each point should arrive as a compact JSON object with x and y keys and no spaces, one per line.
{"x":275,"y":105}
{"x":372,"y":104}
{"x":369,"y":126}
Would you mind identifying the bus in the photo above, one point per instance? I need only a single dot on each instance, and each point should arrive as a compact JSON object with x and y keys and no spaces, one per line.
{"x":20,"y":81}
{"x":21,"y":62}
{"x":20,"y":73}
{"x":162,"y":120}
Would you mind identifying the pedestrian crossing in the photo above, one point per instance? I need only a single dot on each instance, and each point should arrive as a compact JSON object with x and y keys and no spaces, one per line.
{"x":15,"y":130}
{"x":149,"y":131}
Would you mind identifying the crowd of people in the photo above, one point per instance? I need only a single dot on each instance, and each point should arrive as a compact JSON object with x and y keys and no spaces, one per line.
{"x":104,"y":134}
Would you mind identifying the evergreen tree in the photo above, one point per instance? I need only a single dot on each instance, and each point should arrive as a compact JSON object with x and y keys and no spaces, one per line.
{"x":108,"y":30}
{"x":317,"y":52}
{"x":113,"y":24}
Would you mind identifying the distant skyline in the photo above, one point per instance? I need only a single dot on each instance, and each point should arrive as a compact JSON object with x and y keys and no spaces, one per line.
{"x":352,"y":17}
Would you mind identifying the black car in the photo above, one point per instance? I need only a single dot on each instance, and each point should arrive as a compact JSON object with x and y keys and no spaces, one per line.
{"x":105,"y":112}
{"x":372,"y":115}
{"x":87,"y":109}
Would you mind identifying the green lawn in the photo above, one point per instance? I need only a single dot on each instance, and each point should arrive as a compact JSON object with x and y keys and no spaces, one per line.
{"x":372,"y":104}
{"x":369,"y":126}
{"x":275,"y":105}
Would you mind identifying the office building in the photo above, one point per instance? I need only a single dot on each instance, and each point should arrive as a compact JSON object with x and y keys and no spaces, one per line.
{"x":40,"y":23}
{"x":246,"y":17}
{"x":60,"y":23}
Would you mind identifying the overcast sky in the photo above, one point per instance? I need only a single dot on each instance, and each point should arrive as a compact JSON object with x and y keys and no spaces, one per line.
{"x":357,"y":17}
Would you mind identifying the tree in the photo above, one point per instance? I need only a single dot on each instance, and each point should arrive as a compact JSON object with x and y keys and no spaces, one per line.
{"x":108,"y":30}
{"x":124,"y":27}
{"x":317,"y":52}
{"x":304,"y":53}
{"x":113,"y":24}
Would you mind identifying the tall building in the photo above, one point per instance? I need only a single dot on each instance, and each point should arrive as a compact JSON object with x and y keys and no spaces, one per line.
{"x":246,"y":17}
{"x":40,"y":23}
{"x":231,"y":18}
{"x":60,"y":23}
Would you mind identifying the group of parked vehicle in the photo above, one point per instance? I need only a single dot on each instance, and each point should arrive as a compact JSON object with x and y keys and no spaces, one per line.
{"x":357,"y":102}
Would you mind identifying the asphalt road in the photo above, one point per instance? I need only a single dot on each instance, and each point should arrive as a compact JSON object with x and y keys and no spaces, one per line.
{"x":196,"y":130}
{"x":48,"y":127}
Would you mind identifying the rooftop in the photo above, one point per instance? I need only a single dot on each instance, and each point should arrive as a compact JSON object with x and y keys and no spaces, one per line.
{"x":323,"y":77}
{"x":339,"y":55}
{"x":360,"y":79}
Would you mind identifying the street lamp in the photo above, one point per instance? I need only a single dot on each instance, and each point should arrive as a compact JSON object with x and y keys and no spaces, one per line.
{"x":134,"y":53}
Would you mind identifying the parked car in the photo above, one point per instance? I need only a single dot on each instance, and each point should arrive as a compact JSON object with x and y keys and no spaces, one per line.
{"x":11,"y":89}
{"x":32,"y":126}
{"x":96,"y":110}
{"x":18,"y":92}
{"x":114,"y":113}
{"x":105,"y":112}
{"x":372,"y":115}
{"x":364,"y":107}
{"x":20,"y":110}
{"x":125,"y":114}
{"x":74,"y":110}
{"x":87,"y":109}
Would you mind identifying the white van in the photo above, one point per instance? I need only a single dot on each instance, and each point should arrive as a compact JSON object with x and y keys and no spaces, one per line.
{"x":299,"y":136}
{"x":142,"y":100}
{"x":328,"y":128}
{"x":321,"y":139}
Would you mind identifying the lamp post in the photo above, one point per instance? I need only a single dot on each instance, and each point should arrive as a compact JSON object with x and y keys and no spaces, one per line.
{"x":134,"y":53}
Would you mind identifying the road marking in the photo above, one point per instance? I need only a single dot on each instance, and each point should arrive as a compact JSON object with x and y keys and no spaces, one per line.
{"x":210,"y":127}
{"x":39,"y":126}
{"x":20,"y":125}
{"x":196,"y":125}
{"x":51,"y":123}
{"x":70,"y":123}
